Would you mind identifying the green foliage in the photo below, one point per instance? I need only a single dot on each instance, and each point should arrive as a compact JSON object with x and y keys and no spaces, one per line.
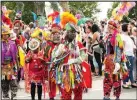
{"x":88,"y":9}
{"x":10,"y":6}
{"x":114,"y":5}
{"x":26,"y":14}
{"x":26,"y":8}
{"x":132,"y":12}
{"x":54,"y":6}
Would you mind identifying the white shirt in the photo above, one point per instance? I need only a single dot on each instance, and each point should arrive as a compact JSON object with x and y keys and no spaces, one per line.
{"x":129,"y":45}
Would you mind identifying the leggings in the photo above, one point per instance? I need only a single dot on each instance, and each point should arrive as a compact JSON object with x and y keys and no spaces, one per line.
{"x":7,"y":85}
{"x":90,"y":61}
{"x":98,"y":59}
{"x":77,"y":93}
{"x":108,"y":83}
{"x":19,"y":75}
{"x":39,"y":91}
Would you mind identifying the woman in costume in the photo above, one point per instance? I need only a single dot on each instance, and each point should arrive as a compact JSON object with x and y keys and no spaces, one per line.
{"x":9,"y":64}
{"x":114,"y":62}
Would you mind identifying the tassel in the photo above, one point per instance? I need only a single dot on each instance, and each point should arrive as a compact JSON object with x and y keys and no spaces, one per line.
{"x":71,"y":78}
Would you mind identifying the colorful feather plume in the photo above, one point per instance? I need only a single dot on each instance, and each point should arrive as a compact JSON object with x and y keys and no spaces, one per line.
{"x":67,"y":17}
{"x":52,"y":16}
{"x":5,"y":16}
{"x":122,"y":9}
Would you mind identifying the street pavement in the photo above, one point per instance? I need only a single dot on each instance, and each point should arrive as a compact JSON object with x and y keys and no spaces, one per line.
{"x":95,"y":93}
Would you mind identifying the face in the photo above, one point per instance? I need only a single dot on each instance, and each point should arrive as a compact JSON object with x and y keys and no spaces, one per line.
{"x":71,"y":36}
{"x":36,"y":51}
{"x":87,"y":30}
{"x":17,"y":31}
{"x":5,"y":36}
{"x":134,"y":32}
{"x":129,"y":28}
{"x":56,"y":37}
{"x":110,"y":29}
{"x":89,"y":23}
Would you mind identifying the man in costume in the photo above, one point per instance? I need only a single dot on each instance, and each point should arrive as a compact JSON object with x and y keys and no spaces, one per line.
{"x":35,"y":68}
{"x":68,"y":64}
{"x":114,"y":62}
{"x":20,"y":40}
{"x":9,"y":64}
{"x":48,"y":49}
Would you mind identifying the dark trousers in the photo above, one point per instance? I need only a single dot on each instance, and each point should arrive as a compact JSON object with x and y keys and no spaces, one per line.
{"x":98,"y":59}
{"x":19,"y":75}
{"x":33,"y":90}
{"x":90,"y":61}
{"x":7,"y":85}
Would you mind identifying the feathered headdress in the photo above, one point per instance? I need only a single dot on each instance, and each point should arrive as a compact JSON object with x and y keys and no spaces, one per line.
{"x":5,"y":16}
{"x":67,"y":17}
{"x":5,"y":29}
{"x":122,"y":9}
{"x":36,"y":33}
{"x":52,"y":16}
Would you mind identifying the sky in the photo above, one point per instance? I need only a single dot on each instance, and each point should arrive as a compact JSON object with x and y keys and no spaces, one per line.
{"x":103,"y":6}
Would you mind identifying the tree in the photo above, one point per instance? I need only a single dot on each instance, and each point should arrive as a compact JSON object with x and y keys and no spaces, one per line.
{"x":65,"y":6}
{"x":114,"y":5}
{"x":26,"y":7}
{"x":88,"y":9}
{"x":39,"y":8}
{"x":132,"y":12}
{"x":26,"y":14}
{"x":10,"y":6}
{"x":54,"y":6}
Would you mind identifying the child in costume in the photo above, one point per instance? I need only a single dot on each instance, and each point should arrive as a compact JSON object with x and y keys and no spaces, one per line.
{"x":35,"y":68}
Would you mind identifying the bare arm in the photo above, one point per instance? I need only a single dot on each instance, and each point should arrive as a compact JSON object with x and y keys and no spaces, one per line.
{"x":95,"y":35}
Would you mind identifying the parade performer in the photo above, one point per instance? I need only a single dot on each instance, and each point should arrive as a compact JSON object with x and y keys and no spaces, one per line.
{"x":35,"y":68}
{"x":5,"y":16}
{"x":20,"y":40}
{"x":114,"y":62}
{"x":9,"y":65}
{"x":50,"y":45}
{"x":69,"y":62}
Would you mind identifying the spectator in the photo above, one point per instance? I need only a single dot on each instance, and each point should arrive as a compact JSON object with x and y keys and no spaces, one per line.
{"x":128,"y":49}
{"x":96,"y":48}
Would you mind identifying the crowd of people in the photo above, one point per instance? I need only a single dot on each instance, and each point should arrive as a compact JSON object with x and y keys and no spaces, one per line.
{"x":53,"y":56}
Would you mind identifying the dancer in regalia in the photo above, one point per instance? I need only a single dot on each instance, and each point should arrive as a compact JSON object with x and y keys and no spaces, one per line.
{"x":9,"y":64}
{"x":114,"y":62}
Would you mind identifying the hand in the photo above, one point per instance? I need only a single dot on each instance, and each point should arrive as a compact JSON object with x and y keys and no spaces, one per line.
{"x":71,"y":61}
{"x":125,"y":67}
{"x":103,"y":67}
{"x":117,"y":67}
